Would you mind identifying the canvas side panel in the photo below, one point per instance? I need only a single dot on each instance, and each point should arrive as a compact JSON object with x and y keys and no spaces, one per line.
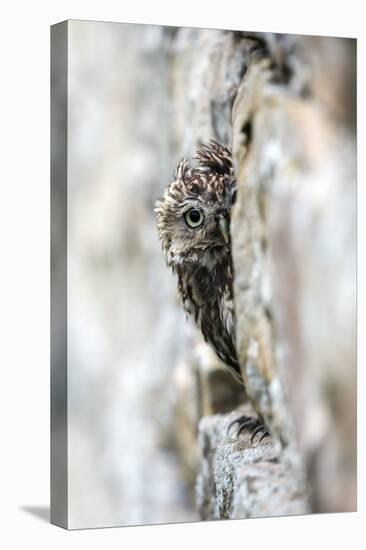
{"x":59,"y":492}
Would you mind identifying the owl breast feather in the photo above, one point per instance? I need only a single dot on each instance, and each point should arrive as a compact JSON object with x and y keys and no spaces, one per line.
{"x":207,"y":297}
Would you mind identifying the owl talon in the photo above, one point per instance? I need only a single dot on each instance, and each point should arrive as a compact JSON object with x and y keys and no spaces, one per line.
{"x":242,"y":421}
{"x":258,"y":429}
{"x":263,"y":436}
{"x":250,"y":423}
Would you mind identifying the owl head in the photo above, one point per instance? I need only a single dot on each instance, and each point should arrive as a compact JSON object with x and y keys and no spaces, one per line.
{"x":193,"y":217}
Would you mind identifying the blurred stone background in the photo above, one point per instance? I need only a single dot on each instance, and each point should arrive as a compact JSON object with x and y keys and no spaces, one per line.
{"x":140,"y":378}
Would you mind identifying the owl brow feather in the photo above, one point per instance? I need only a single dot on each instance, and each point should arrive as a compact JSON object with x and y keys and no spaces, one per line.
{"x":181,"y":170}
{"x":215,"y":156}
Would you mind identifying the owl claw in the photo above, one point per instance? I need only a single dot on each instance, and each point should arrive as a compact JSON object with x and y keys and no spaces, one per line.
{"x":263,"y":436}
{"x":247,"y":422}
{"x":250,"y":423}
{"x":258,"y":429}
{"x":241,"y":420}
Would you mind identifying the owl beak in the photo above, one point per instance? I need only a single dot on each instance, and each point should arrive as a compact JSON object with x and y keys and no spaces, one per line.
{"x":224,"y":228}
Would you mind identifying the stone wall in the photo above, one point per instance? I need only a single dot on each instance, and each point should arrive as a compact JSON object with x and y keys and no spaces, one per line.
{"x":294,"y":249}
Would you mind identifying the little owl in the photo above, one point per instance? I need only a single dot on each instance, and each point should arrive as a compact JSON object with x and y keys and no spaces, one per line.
{"x":193,"y":220}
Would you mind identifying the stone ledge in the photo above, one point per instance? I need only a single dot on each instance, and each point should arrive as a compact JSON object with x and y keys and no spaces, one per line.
{"x":240,"y":480}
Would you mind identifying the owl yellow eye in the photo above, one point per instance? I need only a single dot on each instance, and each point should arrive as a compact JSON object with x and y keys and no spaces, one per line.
{"x":193,"y":217}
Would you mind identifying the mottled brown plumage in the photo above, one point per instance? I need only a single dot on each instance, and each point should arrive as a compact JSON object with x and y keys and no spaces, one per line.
{"x":193,"y":220}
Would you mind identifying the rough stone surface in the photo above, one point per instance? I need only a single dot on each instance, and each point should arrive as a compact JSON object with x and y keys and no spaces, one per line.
{"x":293,"y":235}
